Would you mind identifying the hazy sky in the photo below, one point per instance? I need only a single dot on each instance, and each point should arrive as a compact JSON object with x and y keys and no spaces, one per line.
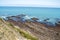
{"x":33,"y":3}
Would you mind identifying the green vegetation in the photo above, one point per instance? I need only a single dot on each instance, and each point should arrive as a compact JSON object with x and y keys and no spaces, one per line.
{"x":1,"y":19}
{"x":5,"y":28}
{"x":9,"y":24}
{"x":26,"y":35}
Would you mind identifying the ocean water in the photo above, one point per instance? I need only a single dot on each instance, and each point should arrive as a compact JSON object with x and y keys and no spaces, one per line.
{"x":39,"y":12}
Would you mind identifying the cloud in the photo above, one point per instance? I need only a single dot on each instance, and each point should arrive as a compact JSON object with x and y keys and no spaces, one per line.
{"x":51,"y":3}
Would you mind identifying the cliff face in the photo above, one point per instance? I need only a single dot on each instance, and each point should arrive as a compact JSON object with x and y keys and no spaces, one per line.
{"x":35,"y":28}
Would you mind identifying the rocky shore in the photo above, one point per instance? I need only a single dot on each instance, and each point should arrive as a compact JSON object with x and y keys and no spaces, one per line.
{"x":42,"y":30}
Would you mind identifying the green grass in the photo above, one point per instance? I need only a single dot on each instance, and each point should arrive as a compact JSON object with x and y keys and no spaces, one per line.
{"x":5,"y":28}
{"x":1,"y":19}
{"x":26,"y":35}
{"x":9,"y":24}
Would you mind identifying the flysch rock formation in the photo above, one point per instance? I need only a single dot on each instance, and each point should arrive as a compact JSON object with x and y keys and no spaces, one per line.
{"x":35,"y":28}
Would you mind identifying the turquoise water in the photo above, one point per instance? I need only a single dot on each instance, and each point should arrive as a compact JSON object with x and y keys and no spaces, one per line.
{"x":39,"y":12}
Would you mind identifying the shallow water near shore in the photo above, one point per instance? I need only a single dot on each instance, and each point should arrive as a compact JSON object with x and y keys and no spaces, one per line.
{"x":39,"y":12}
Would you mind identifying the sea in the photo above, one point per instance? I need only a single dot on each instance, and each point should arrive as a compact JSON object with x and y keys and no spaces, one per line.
{"x":39,"y":12}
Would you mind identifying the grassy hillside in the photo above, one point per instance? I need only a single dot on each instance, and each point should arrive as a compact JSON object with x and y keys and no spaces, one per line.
{"x":11,"y":32}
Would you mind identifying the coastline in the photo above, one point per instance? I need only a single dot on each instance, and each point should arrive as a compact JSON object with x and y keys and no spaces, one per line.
{"x":33,"y":27}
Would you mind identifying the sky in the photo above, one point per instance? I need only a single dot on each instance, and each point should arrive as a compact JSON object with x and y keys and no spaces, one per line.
{"x":31,"y":3}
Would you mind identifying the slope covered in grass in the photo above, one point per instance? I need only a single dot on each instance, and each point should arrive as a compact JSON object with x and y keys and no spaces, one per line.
{"x":10,"y":32}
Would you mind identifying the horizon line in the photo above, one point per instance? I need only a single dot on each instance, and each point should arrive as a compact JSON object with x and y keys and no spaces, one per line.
{"x":31,"y":6}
